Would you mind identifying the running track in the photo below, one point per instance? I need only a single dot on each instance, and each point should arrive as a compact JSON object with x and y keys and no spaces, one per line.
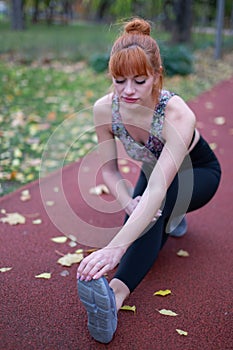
{"x":45,"y":314}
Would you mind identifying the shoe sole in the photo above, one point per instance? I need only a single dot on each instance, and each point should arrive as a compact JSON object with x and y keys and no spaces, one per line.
{"x":99,"y":301}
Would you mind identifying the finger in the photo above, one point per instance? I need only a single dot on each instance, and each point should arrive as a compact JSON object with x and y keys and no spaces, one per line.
{"x":159,"y":213}
{"x":101,"y":272}
{"x":83,"y":264}
{"x":91,"y":269}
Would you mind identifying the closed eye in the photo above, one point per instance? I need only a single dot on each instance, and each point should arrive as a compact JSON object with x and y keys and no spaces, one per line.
{"x":119,"y":81}
{"x":140,"y":81}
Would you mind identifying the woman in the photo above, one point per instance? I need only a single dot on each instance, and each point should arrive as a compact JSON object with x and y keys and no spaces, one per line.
{"x":179,"y":174}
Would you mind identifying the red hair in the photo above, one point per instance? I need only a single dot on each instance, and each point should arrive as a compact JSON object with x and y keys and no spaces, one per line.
{"x":135,"y":52}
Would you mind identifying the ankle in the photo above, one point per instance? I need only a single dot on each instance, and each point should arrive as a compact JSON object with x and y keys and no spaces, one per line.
{"x":120,"y":290}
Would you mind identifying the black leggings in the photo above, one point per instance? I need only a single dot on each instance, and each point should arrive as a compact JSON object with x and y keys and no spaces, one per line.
{"x":202,"y":178}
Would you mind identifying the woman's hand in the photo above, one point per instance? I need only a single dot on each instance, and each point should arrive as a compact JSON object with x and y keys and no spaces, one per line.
{"x":133,"y":204}
{"x":98,"y":263}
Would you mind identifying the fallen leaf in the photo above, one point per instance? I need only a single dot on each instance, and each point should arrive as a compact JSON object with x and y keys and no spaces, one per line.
{"x":25,"y":196}
{"x":182,"y":253}
{"x":219,"y":120}
{"x":50,"y":203}
{"x":46,"y":275}
{"x":51,"y":116}
{"x":72,"y":238}
{"x":79,"y":251}
{"x":128,"y":308}
{"x":69,"y":259}
{"x":37,"y":222}
{"x":122,"y":161}
{"x":5,"y":269}
{"x":61,"y":239}
{"x":167,"y":312}
{"x":98,"y":190}
{"x":89,"y":251}
{"x":163,"y":293}
{"x":213,"y":145}
{"x":64,"y":273}
{"x":125,"y":169}
{"x":72,"y":244}
{"x":179,"y":331}
{"x":13,"y":219}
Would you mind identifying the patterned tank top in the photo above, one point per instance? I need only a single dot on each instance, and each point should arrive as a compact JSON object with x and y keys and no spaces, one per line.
{"x":154,"y":145}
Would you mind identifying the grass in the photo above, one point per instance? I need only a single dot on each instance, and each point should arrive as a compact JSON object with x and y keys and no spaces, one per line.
{"x":48,"y":91}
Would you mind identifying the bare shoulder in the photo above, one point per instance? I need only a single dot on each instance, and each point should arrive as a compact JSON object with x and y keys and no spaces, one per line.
{"x":180,"y":122}
{"x":178,"y":110}
{"x":103,"y":105}
{"x":102,"y":112}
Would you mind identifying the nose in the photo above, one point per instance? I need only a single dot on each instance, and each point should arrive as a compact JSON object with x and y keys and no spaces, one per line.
{"x":129,"y":87}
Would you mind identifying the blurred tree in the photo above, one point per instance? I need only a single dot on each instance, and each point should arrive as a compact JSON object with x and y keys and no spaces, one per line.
{"x":17,"y":14}
{"x":35,"y":14}
{"x":178,"y":19}
{"x":102,"y":8}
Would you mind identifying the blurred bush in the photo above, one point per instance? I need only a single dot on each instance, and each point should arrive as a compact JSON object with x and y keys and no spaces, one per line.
{"x":99,"y":62}
{"x":176,"y":60}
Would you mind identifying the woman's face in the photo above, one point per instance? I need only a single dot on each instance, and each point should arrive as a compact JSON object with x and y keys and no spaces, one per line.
{"x":135,"y":89}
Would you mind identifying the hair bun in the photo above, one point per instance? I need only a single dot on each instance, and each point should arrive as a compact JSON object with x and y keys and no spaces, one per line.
{"x":138,"y":26}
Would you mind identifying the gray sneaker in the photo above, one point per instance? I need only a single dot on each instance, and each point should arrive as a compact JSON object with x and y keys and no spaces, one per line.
{"x":178,"y":227}
{"x":99,"y":300}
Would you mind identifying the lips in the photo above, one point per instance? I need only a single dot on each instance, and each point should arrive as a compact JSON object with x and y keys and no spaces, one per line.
{"x":129,"y":100}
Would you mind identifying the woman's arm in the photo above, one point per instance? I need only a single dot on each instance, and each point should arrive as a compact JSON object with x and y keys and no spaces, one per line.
{"x":108,"y":152}
{"x":178,"y":130}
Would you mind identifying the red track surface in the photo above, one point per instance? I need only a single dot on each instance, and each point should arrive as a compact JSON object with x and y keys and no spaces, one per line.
{"x":47,"y":315}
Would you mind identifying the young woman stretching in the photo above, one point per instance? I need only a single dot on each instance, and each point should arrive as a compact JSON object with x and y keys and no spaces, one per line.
{"x":179,"y":173}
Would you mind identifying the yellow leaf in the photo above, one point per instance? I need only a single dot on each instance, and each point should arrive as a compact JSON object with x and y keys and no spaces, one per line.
{"x":5,"y":269}
{"x":182,"y":253}
{"x":179,"y":331}
{"x":69,"y":259}
{"x":219,"y":120}
{"x":46,"y":275}
{"x":89,"y":251}
{"x":37,"y":222}
{"x":13,"y":219}
{"x":98,"y":190}
{"x":128,"y":308}
{"x":79,"y":251}
{"x":163,"y":293}
{"x":61,"y":239}
{"x":25,"y":196}
{"x":50,"y":203}
{"x":213,"y":145}
{"x":125,"y":169}
{"x":167,"y":312}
